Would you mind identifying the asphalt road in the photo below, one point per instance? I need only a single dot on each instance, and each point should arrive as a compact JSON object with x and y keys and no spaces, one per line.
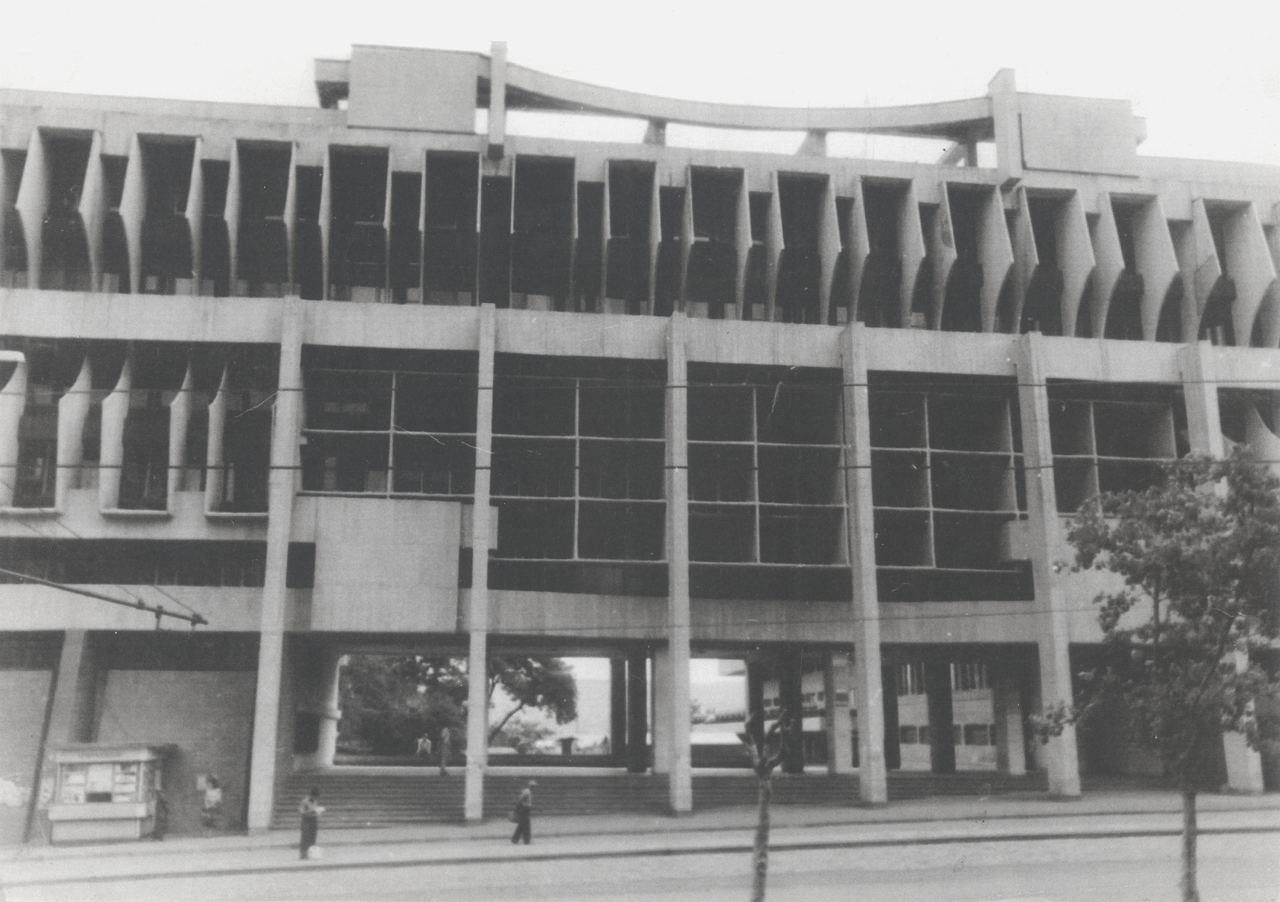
{"x":1241,"y":867}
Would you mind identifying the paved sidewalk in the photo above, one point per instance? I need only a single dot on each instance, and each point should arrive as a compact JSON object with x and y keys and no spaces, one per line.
{"x":941,"y":820}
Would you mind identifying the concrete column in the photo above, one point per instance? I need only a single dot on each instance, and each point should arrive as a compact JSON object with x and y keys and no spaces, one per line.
{"x":478,"y":623}
{"x":637,"y":742}
{"x":1006,"y":697}
{"x":942,"y":741}
{"x":790,"y":700}
{"x":859,"y":525}
{"x":13,"y":400}
{"x":322,"y":688}
{"x":663,"y":747}
{"x":1060,"y":753}
{"x":837,"y":680}
{"x":73,"y":412}
{"x":676,"y":723}
{"x":71,"y":709}
{"x":617,"y":707}
{"x":1204,"y":434}
{"x":281,"y":488}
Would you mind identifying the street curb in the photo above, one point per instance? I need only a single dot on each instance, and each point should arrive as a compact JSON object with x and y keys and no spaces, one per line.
{"x":723,"y":849}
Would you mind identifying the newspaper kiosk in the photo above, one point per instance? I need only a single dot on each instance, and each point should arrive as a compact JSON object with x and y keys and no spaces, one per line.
{"x":105,"y":792}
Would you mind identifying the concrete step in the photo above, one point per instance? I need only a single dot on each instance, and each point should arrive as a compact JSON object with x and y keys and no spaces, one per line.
{"x":386,"y":796}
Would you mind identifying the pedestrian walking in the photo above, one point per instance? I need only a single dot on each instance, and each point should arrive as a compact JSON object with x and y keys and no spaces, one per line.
{"x":211,"y":806}
{"x":310,"y":809}
{"x":446,"y":748}
{"x":522,"y":814}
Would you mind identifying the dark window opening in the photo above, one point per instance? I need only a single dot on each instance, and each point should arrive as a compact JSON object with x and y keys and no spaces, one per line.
{"x":495,"y":241}
{"x":800,"y":197}
{"x":262,"y":246}
{"x":630,"y":214}
{"x":357,"y":232}
{"x":65,"y":257}
{"x":713,"y":257}
{"x":449,"y":240}
{"x":215,"y":244}
{"x":588,"y":254}
{"x":167,"y":263}
{"x":666,"y":287}
{"x":542,"y":231}
{"x":134,"y":562}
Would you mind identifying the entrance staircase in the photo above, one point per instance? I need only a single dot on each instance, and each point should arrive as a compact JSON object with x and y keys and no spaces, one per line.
{"x":384,"y":796}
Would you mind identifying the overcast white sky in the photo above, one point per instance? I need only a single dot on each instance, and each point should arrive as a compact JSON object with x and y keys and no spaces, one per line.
{"x":1206,"y":75}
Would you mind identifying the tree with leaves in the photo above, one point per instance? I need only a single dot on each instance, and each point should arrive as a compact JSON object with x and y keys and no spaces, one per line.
{"x":767,"y":748}
{"x":388,"y":701}
{"x":1197,"y":556}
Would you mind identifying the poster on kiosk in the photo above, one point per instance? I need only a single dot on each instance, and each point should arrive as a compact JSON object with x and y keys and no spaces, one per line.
{"x":106,"y":792}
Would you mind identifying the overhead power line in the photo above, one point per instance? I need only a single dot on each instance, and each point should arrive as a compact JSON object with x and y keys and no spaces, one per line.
{"x":159,"y":611}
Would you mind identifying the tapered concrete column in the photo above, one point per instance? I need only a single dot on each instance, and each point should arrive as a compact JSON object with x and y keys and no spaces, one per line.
{"x":859,"y":524}
{"x":13,"y":400}
{"x":1204,"y":434}
{"x":1010,"y":740}
{"x":942,"y":741}
{"x":837,"y":688}
{"x":637,"y":713}
{"x":478,"y":623}
{"x":320,"y":681}
{"x":660,"y":699}
{"x":115,"y":410}
{"x":71,"y":711}
{"x":674,"y":727}
{"x":1060,"y":753}
{"x":281,"y":488}
{"x":73,"y":412}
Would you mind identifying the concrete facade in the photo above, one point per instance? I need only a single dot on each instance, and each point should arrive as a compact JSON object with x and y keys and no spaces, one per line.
{"x":360,"y":377}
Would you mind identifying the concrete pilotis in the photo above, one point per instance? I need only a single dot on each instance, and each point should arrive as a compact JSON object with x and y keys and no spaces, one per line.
{"x":478,"y":624}
{"x":637,"y":749}
{"x":1060,"y":753}
{"x":860,"y":535}
{"x":673,"y":730}
{"x":1204,"y":434}
{"x":1006,"y":695}
{"x":837,"y":683}
{"x":281,"y":488}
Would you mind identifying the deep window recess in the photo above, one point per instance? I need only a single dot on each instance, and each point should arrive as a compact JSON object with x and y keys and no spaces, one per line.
{"x":800,"y":196}
{"x":262,"y":245}
{"x":449,"y":239}
{"x":13,"y":245}
{"x":578,"y":475}
{"x":136,"y":562}
{"x":711,"y":277}
{"x":357,"y":231}
{"x":215,"y":244}
{"x":947,"y":489}
{"x":167,"y":262}
{"x":880,"y":293}
{"x":405,"y":430}
{"x":1109,"y":438}
{"x":627,"y":254}
{"x":542,"y":233}
{"x":765,"y":493}
{"x":65,"y":257}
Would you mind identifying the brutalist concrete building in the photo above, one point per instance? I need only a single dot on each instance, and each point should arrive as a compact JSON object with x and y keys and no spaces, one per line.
{"x":382,"y":376}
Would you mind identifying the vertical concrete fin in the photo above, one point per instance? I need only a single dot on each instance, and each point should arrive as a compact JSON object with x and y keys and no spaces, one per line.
{"x":231,"y":215}
{"x":133,"y":209}
{"x":1025,"y":255}
{"x":194,"y":213}
{"x":13,"y":401}
{"x":215,"y":460}
{"x":32,"y":203}
{"x":1075,"y":257}
{"x":115,"y":409}
{"x":1110,"y":257}
{"x":859,"y":248}
{"x":1250,"y":265}
{"x":93,"y":208}
{"x":73,"y":411}
{"x":1007,"y":124}
{"x":655,"y":240}
{"x":774,"y":245}
{"x":914,"y":249}
{"x":291,"y":219}
{"x":687,"y":238}
{"x":996,"y":253}
{"x":828,"y":248}
{"x":179,"y":422}
{"x":742,"y":244}
{"x":1205,"y":268}
{"x":1157,"y":263}
{"x":860,"y":535}
{"x":942,"y":251}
